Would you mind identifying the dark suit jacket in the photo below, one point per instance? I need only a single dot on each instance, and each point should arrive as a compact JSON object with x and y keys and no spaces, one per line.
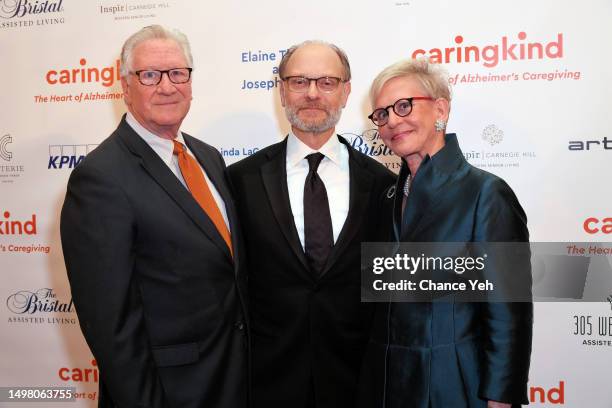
{"x":447,"y":354}
{"x":308,"y":334}
{"x":159,"y":299}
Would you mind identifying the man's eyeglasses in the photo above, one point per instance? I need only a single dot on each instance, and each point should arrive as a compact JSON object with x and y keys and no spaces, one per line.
{"x":301,"y":84}
{"x":150,"y":77}
{"x":401,"y":107}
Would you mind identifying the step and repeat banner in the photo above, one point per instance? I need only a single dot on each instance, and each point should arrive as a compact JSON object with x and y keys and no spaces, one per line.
{"x":531,"y":103}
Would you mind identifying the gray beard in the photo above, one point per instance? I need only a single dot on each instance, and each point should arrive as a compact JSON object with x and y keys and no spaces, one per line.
{"x":315,"y":127}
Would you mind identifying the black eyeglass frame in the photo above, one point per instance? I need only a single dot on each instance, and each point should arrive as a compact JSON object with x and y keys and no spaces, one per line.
{"x":161,"y":75}
{"x":287,"y":79}
{"x":386,"y":109}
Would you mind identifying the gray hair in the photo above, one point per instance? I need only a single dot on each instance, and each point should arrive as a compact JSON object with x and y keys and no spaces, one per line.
{"x":432,"y":77}
{"x":282,"y":67}
{"x":152,"y":32}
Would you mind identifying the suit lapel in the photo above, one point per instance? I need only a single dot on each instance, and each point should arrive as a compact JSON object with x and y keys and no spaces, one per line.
{"x":274,"y":176}
{"x":158,"y":170}
{"x":361,"y":182}
{"x":423,"y":198}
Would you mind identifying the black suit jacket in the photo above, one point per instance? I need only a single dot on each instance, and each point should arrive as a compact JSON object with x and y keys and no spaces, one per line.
{"x":308,"y":334}
{"x":452,"y":354}
{"x":159,"y":298}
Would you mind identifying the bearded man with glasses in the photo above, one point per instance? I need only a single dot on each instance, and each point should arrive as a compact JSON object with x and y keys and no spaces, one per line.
{"x":152,"y":246}
{"x":305,"y":205}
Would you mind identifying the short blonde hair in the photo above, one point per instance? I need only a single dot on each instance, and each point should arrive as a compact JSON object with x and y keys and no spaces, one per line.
{"x":432,"y":77}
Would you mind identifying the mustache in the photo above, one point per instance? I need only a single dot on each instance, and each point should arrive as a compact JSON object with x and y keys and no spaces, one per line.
{"x":312,"y":106}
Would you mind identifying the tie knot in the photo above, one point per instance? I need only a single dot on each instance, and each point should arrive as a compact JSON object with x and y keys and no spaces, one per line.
{"x":178,"y":148}
{"x":314,"y":160}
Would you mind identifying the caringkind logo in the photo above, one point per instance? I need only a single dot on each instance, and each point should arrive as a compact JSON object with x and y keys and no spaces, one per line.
{"x":597,"y":225}
{"x":68,"y":156}
{"x":107,"y":76}
{"x":506,"y":49}
{"x":9,"y":226}
{"x":5,"y":153}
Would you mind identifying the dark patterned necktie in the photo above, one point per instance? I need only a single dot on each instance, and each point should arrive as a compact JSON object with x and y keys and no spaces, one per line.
{"x":318,"y":233}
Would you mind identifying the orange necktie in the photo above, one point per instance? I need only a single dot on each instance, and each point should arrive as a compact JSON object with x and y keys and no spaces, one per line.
{"x":192,"y":173}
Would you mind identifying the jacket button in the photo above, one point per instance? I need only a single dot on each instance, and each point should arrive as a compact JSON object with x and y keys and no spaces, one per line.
{"x":239,"y":325}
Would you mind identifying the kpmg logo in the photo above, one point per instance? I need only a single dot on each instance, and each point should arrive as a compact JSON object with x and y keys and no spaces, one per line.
{"x":43,"y":300}
{"x":493,"y":135}
{"x":21,"y":8}
{"x":68,"y":156}
{"x":5,"y":154}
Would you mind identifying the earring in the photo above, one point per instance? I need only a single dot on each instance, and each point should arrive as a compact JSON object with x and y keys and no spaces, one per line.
{"x":440,"y":125}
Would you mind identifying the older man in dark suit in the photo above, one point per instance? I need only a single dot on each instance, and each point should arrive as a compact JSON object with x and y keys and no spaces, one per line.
{"x":152,"y":246}
{"x":306,"y":204}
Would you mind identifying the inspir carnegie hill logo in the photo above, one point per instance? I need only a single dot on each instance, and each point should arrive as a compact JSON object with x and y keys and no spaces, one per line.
{"x":490,"y":157}
{"x":492,"y":135}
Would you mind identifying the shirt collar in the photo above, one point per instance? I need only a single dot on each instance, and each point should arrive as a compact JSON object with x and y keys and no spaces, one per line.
{"x":163,"y":147}
{"x":297,"y":150}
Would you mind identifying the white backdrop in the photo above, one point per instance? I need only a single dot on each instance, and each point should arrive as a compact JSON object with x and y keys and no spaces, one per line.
{"x":540,"y":82}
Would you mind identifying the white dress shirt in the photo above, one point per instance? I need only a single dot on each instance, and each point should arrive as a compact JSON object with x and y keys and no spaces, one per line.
{"x":333,"y":171}
{"x":165,"y":150}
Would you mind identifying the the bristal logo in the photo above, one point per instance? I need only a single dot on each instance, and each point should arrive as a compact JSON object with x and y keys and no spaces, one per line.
{"x":491,"y":55}
{"x":4,"y":152}
{"x":21,"y":8}
{"x":10,"y":227}
{"x":41,"y":301}
{"x":369,"y":143}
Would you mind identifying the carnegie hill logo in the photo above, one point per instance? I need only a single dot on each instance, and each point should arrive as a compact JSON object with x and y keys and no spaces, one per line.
{"x":490,"y":157}
{"x":515,"y":47}
{"x":132,"y":10}
{"x":28,"y":13}
{"x":68,"y":156}
{"x":492,"y":135}
{"x":5,"y":154}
